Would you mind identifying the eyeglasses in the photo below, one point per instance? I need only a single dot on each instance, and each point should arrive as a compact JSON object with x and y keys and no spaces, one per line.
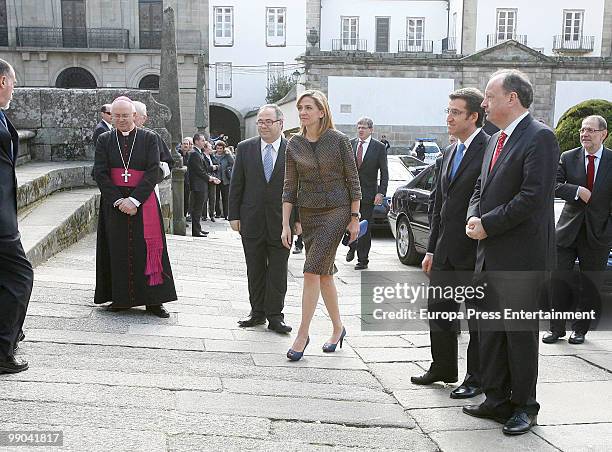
{"x":589,"y":130}
{"x":107,"y":112}
{"x":454,"y":112}
{"x":267,"y":122}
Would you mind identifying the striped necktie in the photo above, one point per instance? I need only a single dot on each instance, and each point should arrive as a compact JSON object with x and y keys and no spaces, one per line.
{"x":268,"y":162}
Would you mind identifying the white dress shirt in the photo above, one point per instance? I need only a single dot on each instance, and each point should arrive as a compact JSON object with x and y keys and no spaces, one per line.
{"x":508,"y":130}
{"x":469,"y":140}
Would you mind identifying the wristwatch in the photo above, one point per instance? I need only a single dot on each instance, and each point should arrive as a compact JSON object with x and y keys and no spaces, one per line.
{"x":356,"y":215}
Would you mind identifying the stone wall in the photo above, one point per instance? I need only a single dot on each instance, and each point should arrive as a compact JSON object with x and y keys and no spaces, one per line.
{"x":63,"y":120}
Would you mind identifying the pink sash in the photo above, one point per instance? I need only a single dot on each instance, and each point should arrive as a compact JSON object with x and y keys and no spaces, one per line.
{"x":151,"y":225}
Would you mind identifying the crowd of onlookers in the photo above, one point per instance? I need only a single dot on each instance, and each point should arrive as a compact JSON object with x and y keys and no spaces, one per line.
{"x":220,"y":167}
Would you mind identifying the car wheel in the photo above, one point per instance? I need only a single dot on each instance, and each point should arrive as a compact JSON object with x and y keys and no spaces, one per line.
{"x":404,"y":243}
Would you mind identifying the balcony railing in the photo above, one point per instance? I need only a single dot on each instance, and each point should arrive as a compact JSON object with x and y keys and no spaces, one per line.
{"x":497,"y":38}
{"x":87,"y":38}
{"x":359,"y":45}
{"x":150,"y":39}
{"x":582,"y":44}
{"x":449,"y":44}
{"x":414,"y":46}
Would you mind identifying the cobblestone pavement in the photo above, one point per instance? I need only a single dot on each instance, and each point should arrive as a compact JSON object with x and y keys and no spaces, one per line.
{"x":196,"y":381}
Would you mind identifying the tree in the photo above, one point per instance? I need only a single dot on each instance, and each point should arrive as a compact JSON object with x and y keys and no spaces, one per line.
{"x":278,"y":88}
{"x":568,"y":128}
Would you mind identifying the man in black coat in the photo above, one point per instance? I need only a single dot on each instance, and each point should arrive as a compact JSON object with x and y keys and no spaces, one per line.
{"x":105,"y":123}
{"x":199,"y":178}
{"x":371,"y":159}
{"x":584,"y":230}
{"x":255,"y":211}
{"x":451,"y":255}
{"x":16,"y":275}
{"x":511,"y":215}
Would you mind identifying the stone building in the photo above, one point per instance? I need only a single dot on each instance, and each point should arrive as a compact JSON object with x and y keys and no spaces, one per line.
{"x":102,"y":44}
{"x":397,"y":61}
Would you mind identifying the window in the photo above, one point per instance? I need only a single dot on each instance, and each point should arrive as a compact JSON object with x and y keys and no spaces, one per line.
{"x":150,"y":23}
{"x":350,"y":32}
{"x":506,"y":24}
{"x":224,"y":79}
{"x":150,"y":81}
{"x":572,"y":25}
{"x":275,"y":26}
{"x":415,"y":27}
{"x":275,"y":70}
{"x":224,"y":26}
{"x":382,"y":34}
{"x":427,"y":179}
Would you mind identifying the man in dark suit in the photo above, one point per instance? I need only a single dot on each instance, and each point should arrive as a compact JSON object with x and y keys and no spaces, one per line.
{"x":584,"y":230}
{"x":371,"y":158}
{"x":199,"y":178}
{"x":255,"y":211}
{"x":451,"y":255}
{"x":16,"y":275}
{"x":511,"y":215}
{"x":105,"y":123}
{"x":208,"y":209}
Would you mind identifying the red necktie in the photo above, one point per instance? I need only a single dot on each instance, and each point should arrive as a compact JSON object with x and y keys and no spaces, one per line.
{"x":590,"y":172}
{"x":359,"y":154}
{"x":498,"y":149}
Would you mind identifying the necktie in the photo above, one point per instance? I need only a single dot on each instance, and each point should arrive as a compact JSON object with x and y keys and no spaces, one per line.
{"x":457,"y":160}
{"x":590,"y":172}
{"x":359,"y":154}
{"x":268,"y":162}
{"x":3,"y":120}
{"x":498,"y":149}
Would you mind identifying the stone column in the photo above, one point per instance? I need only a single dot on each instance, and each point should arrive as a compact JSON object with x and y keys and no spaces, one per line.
{"x":201,"y":102}
{"x":169,"y":95}
{"x":470,"y":19}
{"x":313,"y":20}
{"x":606,"y":38}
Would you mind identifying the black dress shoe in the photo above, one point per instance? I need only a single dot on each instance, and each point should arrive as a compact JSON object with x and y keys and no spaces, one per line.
{"x":484,"y":412}
{"x":350,"y":255}
{"x":13,"y":365}
{"x":279,"y":327}
{"x":251,"y":321}
{"x":201,"y":234}
{"x":520,"y":423}
{"x":297,"y":250}
{"x":465,"y":392}
{"x":19,"y":339}
{"x":576,"y":338}
{"x":550,"y":337}
{"x":158,"y":310}
{"x":361,"y":266}
{"x":429,"y":377}
{"x":212,"y":219}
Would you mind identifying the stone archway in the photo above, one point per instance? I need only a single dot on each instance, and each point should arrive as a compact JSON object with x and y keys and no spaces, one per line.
{"x":75,"y":77}
{"x":226,"y":120}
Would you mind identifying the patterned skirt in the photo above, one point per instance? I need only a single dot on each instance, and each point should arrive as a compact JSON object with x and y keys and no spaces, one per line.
{"x":322,"y":231}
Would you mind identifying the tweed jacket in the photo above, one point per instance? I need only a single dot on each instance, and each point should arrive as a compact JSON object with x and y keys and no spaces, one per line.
{"x":325,"y":178}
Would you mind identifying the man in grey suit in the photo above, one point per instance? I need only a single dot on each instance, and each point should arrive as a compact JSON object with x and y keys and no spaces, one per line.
{"x":584,"y":230}
{"x":511,"y":215}
{"x":371,"y":159}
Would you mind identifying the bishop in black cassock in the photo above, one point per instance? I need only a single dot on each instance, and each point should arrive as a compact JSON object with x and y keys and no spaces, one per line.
{"x":132,"y":264}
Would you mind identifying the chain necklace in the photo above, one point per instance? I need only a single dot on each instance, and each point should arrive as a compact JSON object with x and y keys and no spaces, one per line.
{"x":126,"y":175}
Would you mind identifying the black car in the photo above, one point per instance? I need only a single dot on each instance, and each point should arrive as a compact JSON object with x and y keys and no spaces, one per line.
{"x":409,"y":220}
{"x":408,"y":217}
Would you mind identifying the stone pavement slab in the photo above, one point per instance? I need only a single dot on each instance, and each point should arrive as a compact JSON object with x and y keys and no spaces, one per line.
{"x":197,"y":382}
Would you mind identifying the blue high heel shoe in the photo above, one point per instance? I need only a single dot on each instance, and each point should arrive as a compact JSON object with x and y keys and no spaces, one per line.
{"x":296,"y":356}
{"x":330,"y":347}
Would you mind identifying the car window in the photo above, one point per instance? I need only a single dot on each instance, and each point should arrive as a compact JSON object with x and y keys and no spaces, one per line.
{"x":398,"y":171}
{"x":431,"y":149}
{"x":426,"y":179}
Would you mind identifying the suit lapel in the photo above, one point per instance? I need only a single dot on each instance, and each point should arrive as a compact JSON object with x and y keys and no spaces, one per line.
{"x":489,"y":151}
{"x":447,"y":163}
{"x":279,"y":166}
{"x":508,"y":145}
{"x":602,"y":170}
{"x":258,"y":162}
{"x":470,"y":153}
{"x":582,"y":177}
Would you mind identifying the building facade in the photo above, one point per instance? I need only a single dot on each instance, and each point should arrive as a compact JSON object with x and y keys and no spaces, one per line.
{"x":397,"y":61}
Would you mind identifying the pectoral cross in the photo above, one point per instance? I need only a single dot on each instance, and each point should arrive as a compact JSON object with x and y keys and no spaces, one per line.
{"x":126,"y":175}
